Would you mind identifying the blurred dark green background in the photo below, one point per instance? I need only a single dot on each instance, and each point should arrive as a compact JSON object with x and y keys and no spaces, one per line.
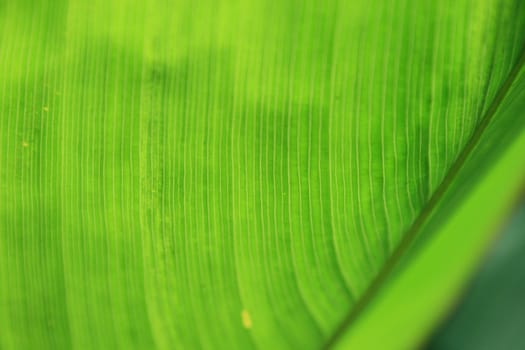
{"x":491,"y":314}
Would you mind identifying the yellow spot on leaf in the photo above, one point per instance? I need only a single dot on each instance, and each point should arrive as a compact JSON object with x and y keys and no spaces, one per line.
{"x":46,"y":109}
{"x":25,"y":144}
{"x":246,"y":319}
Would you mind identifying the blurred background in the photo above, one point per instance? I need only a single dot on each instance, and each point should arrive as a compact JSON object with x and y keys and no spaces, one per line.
{"x":491,"y":313}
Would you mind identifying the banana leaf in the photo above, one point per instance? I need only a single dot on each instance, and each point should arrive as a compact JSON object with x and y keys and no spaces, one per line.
{"x":225,"y":174}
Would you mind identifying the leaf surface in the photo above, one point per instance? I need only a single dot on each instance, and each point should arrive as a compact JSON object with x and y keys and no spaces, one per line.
{"x":246,"y":174}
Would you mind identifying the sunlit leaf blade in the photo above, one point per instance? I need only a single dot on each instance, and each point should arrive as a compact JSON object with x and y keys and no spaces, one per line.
{"x":236,"y":174}
{"x":419,"y":293}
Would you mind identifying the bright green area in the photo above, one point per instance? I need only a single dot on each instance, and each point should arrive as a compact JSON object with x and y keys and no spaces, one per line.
{"x":418,"y":296}
{"x":234,"y":174}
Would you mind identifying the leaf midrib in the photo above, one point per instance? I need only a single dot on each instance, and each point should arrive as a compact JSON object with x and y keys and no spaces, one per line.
{"x":412,"y":233}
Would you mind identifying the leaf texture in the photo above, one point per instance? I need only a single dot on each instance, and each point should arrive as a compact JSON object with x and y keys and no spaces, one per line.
{"x":230,"y":174}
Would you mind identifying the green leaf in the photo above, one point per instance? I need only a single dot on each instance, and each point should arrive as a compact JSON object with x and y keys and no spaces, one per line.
{"x":251,"y":174}
{"x":421,"y":294}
